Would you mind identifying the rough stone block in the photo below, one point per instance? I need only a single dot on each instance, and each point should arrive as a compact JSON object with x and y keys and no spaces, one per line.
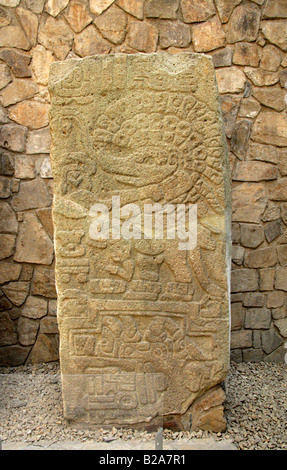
{"x":257,"y":318}
{"x":244,"y":280}
{"x":262,"y":258}
{"x":251,"y":235}
{"x":208,"y":36}
{"x":135,"y":341}
{"x":241,"y":339}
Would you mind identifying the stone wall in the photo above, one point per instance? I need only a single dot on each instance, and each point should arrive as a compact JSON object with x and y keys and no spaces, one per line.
{"x":248,"y":42}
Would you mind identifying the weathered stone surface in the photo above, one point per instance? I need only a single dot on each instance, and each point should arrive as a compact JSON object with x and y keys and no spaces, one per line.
{"x":98,"y":6}
{"x":18,"y":62}
{"x":254,"y":299}
{"x":18,"y":90}
{"x":208,"y":36}
{"x":34,"y":308}
{"x":270,"y":340}
{"x":54,"y":7}
{"x":252,"y":355}
{"x":282,"y":253}
{"x":24,"y":167}
{"x":241,"y":339}
{"x":3,"y":115}
{"x":264,"y":153}
{"x":251,"y":235}
{"x":90,"y":42}
{"x":208,"y":412}
{"x":270,"y":128}
{"x":271,"y":58}
{"x":276,"y":32}
{"x":225,"y":8}
{"x":263,"y":258}
{"x":273,"y":230}
{"x":7,"y":243}
{"x":29,"y":22}
{"x":8,"y":332}
{"x":32,"y":114}
{"x":279,"y":191}
{"x":33,"y":244}
{"x":237,"y":316}
{"x":9,"y":3}
{"x":5,"y":187}
{"x":279,"y":312}
{"x":246,"y":53}
{"x":142,"y":36}
{"x":46,"y":349}
{"x":282,"y":326}
{"x":166,"y":9}
{"x":267,"y":277}
{"x":78,"y":16}
{"x":197,"y":10}
{"x":237,"y":254}
{"x":44,"y":282}
{"x":27,"y":331}
{"x":230,"y":80}
{"x":14,"y":355}
{"x":49,"y":325}
{"x":284,"y":212}
{"x":9,"y":272}
{"x":257,"y":318}
{"x":5,"y":76}
{"x":248,"y":202}
{"x":244,"y":23}
{"x":133,"y":7}
{"x":45,"y":216}
{"x":5,"y":304}
{"x":52,"y":308}
{"x":117,"y":298}
{"x":8,"y":220}
{"x":222,"y":58}
{"x":174,"y":34}
{"x":112,"y":24}
{"x":229,"y":106}
{"x":17,"y":292}
{"x":35,"y":5}
{"x":275,"y":9}
{"x":40,"y":65}
{"x":281,"y":278}
{"x":271,"y":97}
{"x":45,"y":170}
{"x":5,"y":18}
{"x":55,"y":35}
{"x":254,"y":171}
{"x":240,"y":139}
{"x":261,"y":77}
{"x":32,"y":195}
{"x":13,"y":36}
{"x":271,"y":213}
{"x":39,"y":141}
{"x":275,"y":299}
{"x":244,"y":280}
{"x":250,"y":108}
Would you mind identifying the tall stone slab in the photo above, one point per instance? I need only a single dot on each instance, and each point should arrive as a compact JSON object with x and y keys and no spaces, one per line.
{"x":144,"y":325}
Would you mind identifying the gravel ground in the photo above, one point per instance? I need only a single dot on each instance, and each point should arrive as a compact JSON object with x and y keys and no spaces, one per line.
{"x":256,"y":409}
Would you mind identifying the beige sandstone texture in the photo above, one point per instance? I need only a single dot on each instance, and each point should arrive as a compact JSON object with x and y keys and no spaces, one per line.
{"x":144,"y":326}
{"x":251,"y":70}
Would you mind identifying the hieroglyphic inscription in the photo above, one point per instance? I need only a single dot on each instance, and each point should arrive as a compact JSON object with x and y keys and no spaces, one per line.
{"x":144,"y":326}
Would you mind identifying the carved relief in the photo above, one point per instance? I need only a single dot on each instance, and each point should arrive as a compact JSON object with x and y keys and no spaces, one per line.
{"x":143,"y":324}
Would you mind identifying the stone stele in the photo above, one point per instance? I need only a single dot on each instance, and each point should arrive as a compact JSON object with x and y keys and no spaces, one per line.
{"x":144,"y":326}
